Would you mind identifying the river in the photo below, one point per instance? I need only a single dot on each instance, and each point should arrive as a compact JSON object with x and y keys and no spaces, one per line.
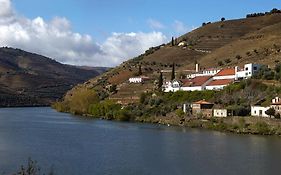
{"x":72,"y":145}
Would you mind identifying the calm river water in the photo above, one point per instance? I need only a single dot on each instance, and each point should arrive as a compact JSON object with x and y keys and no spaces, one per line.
{"x":72,"y":145}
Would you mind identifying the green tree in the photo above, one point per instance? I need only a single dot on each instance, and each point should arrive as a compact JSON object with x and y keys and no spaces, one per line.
{"x":160,"y":82}
{"x":173,"y":76}
{"x":81,"y":100}
{"x":173,"y":41}
{"x":270,"y":112}
{"x":140,"y":71}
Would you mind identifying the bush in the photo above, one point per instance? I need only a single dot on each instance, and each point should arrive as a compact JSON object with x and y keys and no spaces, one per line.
{"x":81,"y":100}
{"x":124,"y":115}
{"x":220,"y":63}
{"x":262,"y":128}
{"x":179,"y":113}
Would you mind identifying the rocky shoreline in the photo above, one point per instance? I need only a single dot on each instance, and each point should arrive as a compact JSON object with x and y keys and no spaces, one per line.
{"x":238,"y":125}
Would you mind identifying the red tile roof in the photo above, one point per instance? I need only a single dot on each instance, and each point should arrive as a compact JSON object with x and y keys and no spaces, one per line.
{"x":197,"y":81}
{"x":221,"y":82}
{"x":225,"y":72}
{"x":203,"y":102}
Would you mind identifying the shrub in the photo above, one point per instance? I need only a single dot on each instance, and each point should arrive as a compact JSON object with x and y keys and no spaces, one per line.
{"x":81,"y":100}
{"x":179,"y":113}
{"x":270,"y":112}
{"x":220,"y":63}
{"x":262,"y":128}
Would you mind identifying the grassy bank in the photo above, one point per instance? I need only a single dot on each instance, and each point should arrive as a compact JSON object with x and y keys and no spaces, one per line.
{"x":166,"y":108}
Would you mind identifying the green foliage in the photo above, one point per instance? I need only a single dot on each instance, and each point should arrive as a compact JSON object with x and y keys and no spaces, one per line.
{"x":220,"y":63}
{"x":124,"y":115}
{"x":108,"y":109}
{"x":262,"y":128}
{"x":61,"y":106}
{"x":142,"y":98}
{"x":185,"y":96}
{"x":81,"y":100}
{"x":160,"y":82}
{"x":227,"y":61}
{"x":113,"y":88}
{"x":140,"y":71}
{"x":179,"y":113}
{"x":270,"y":112}
{"x":173,"y":76}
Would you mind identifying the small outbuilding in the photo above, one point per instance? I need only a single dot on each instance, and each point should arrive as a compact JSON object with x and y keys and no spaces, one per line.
{"x":203,"y":108}
{"x":222,"y":113}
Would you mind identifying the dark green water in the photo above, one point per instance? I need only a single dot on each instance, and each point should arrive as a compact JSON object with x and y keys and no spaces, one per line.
{"x":78,"y":146}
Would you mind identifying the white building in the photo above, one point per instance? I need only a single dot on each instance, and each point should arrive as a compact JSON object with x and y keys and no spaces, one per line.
{"x":225,"y":74}
{"x":205,"y":72}
{"x":248,"y":71}
{"x":138,"y":79}
{"x":172,"y":86}
{"x":196,"y":84}
{"x":222,"y":113}
{"x":259,"y":111}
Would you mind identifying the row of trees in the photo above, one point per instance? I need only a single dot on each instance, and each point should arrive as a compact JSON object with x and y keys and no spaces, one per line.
{"x":273,"y":11}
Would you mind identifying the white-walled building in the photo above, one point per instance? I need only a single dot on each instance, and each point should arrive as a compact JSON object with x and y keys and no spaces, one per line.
{"x":138,"y":79}
{"x":224,"y":74}
{"x":222,"y":113}
{"x":217,"y":78}
{"x":259,"y":111}
{"x":248,"y":71}
{"x":172,"y":86}
{"x":196,"y":84}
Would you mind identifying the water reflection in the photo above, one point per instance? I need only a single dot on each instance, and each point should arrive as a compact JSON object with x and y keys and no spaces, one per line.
{"x":82,"y":146}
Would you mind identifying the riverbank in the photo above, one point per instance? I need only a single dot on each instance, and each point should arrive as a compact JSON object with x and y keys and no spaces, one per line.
{"x":238,"y":125}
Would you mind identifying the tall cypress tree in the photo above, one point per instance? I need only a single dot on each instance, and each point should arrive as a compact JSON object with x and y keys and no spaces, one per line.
{"x":173,"y":42}
{"x":160,"y":82}
{"x":173,"y":72}
{"x":140,"y":71}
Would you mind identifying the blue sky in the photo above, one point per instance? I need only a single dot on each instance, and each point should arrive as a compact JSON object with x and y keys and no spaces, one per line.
{"x":100,"y":18}
{"x":109,"y":32}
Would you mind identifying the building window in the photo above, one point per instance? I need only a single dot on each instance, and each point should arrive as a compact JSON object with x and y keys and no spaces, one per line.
{"x":255,"y":68}
{"x":247,"y":68}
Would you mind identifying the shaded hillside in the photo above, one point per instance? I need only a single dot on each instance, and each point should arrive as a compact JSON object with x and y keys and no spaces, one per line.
{"x":223,"y":43}
{"x":28,"y":79}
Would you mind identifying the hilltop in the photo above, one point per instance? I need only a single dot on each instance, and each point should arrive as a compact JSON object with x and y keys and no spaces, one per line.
{"x":225,"y":43}
{"x":28,"y":79}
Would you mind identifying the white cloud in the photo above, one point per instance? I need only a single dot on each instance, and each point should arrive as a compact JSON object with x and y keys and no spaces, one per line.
{"x":55,"y":39}
{"x":180,"y":27}
{"x":154,"y":24}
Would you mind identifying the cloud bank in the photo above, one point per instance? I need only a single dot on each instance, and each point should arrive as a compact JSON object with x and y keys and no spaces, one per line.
{"x":55,"y":39}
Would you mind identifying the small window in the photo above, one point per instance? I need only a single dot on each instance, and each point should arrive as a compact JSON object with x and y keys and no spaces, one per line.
{"x":255,"y":68}
{"x":247,"y":68}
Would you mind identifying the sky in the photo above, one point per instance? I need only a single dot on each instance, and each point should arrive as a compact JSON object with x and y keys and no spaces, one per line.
{"x":108,"y":32}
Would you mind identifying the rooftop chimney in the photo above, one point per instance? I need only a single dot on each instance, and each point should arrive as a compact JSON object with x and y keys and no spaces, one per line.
{"x":197,"y":67}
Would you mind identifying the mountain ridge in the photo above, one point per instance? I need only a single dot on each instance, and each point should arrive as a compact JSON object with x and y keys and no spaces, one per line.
{"x":29,"y":79}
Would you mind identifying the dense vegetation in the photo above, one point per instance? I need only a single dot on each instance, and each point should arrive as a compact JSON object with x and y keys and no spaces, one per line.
{"x":237,"y":97}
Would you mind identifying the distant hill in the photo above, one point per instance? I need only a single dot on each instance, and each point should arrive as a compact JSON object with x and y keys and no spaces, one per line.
{"x":28,"y":79}
{"x":255,"y":39}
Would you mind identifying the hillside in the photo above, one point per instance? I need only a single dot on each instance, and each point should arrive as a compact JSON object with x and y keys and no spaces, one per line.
{"x":218,"y":44}
{"x":28,"y":79}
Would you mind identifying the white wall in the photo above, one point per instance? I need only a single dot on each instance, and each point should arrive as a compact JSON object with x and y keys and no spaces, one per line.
{"x":224,"y":77}
{"x":259,"y":111}
{"x":220,"y":113}
{"x":193,"y":88}
{"x":217,"y":87}
{"x":135,"y":80}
